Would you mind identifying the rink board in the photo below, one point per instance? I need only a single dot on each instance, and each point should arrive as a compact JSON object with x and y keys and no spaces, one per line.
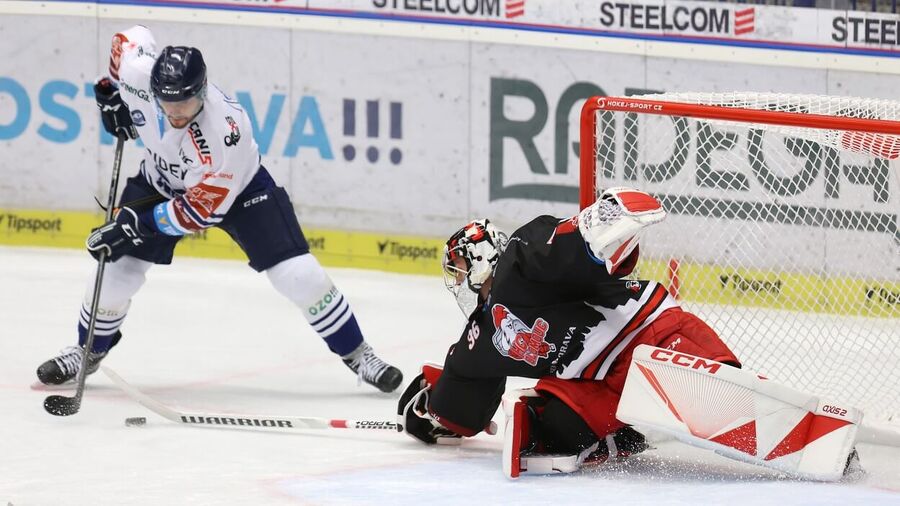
{"x":417,"y":255}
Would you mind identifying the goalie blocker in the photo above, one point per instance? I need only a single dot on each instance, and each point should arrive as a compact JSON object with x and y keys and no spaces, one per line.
{"x":738,"y":414}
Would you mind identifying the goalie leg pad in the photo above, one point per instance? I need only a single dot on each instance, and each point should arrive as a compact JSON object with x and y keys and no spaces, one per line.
{"x":675,"y":330}
{"x":517,"y":430}
{"x":737,"y":414}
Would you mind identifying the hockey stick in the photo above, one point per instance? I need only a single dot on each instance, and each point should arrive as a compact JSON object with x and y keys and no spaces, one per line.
{"x":60,"y":405}
{"x":237,"y":421}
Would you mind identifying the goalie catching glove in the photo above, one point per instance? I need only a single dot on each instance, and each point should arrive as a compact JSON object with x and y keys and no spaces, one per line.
{"x":415,"y":417}
{"x":612,"y":225}
{"x":413,"y":414}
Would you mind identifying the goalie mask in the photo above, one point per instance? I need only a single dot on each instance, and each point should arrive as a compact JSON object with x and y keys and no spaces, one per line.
{"x":470,"y":256}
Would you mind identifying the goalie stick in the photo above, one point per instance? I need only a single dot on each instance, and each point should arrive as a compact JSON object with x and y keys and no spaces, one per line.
{"x":239,"y":421}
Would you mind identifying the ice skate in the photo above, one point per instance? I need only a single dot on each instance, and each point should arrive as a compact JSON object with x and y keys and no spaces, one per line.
{"x":64,"y":367}
{"x":372,"y":369}
{"x":624,"y":443}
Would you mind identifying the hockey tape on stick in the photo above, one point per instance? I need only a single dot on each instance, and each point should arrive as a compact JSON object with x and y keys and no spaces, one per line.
{"x":238,"y":421}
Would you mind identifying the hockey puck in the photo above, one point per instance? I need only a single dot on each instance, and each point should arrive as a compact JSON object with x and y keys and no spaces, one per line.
{"x":136,"y":421}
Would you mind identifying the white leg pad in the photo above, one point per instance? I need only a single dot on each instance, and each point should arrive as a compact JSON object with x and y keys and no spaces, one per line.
{"x":738,"y":414}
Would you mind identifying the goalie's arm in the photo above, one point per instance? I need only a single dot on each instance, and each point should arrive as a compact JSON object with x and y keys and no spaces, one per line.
{"x":441,"y":407}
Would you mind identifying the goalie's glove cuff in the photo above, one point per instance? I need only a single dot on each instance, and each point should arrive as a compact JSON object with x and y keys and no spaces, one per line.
{"x":415,"y":419}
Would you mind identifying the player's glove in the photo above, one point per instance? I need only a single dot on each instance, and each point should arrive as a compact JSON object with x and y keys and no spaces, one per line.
{"x":118,"y":236}
{"x":413,"y":415}
{"x":113,"y":111}
{"x":612,"y":226}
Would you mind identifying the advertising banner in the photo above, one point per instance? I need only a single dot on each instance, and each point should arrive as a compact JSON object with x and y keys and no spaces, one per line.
{"x":409,"y":137}
{"x":671,"y":19}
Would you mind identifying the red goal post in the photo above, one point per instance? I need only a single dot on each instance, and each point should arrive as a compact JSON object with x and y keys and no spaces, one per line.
{"x":782,"y":230}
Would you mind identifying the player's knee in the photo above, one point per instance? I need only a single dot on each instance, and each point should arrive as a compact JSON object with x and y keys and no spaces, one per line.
{"x":121,"y":280}
{"x":288,"y":274}
{"x":685,"y":332}
{"x":303,"y":280}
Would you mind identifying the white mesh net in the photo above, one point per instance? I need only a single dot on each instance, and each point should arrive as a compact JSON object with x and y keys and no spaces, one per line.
{"x":784,"y":238}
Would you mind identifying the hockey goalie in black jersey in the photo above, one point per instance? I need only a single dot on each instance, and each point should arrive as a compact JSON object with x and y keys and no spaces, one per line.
{"x":551,"y":302}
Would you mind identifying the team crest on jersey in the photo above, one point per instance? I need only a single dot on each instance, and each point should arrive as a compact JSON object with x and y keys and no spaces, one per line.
{"x":634,"y":286}
{"x":205,"y":198}
{"x":235,"y":135}
{"x":200,"y":144}
{"x":518,"y":341}
{"x":137,"y":117}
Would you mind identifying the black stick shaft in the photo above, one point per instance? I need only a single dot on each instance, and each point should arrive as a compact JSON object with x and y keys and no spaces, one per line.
{"x":64,"y":406}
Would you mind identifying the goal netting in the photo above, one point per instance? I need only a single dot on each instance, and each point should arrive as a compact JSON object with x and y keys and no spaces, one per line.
{"x":782,"y":230}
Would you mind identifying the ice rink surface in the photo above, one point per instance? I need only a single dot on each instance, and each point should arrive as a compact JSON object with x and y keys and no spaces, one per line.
{"x":214,"y":336}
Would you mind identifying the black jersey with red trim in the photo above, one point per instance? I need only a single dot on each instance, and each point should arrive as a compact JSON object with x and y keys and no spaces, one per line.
{"x":553,"y":309}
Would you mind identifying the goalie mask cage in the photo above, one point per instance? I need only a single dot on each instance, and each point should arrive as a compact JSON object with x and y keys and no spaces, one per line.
{"x":781,"y":230}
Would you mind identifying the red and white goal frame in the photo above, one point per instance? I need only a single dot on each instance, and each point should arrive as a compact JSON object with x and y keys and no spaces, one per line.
{"x":782,"y":230}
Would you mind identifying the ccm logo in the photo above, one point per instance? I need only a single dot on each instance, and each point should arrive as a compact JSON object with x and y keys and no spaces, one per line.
{"x":834,"y":410}
{"x":688,"y":361}
{"x":256,"y":200}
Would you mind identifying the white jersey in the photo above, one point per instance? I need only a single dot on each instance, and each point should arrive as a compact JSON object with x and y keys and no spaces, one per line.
{"x":200,"y":168}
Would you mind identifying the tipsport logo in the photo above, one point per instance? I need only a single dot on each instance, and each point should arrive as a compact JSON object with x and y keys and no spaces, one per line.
{"x":412,"y":252}
{"x":13,"y":223}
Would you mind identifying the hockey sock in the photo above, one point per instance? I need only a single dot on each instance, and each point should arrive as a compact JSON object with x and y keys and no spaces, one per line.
{"x":106,"y":332}
{"x":121,"y":280}
{"x":302,"y":280}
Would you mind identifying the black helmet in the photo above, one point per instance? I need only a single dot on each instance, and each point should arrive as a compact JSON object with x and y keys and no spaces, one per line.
{"x":178,"y":74}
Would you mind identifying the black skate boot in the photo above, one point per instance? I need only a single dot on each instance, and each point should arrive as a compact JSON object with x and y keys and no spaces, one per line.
{"x":64,"y":367}
{"x":372,"y":369}
{"x":618,"y":446}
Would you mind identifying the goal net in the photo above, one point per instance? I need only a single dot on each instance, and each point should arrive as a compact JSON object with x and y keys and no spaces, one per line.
{"x":782,"y":230}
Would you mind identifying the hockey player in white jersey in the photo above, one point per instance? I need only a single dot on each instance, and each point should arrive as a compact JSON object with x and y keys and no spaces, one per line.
{"x":201,"y":168}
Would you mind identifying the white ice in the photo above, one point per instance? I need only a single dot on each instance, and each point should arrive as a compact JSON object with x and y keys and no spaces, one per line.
{"x":213,"y":336}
